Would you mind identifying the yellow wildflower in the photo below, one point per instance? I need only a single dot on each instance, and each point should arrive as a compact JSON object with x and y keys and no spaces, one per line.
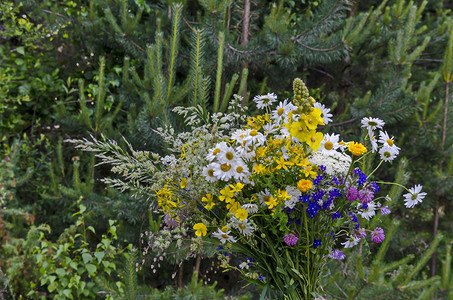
{"x":314,"y":140}
{"x":200,"y":229}
{"x":233,"y":206}
{"x":304,"y":185}
{"x":210,"y":203}
{"x":241,"y":214}
{"x":259,"y":169}
{"x":183,"y":183}
{"x":270,"y":202}
{"x":281,"y":163}
{"x":356,"y":149}
{"x":226,"y":194}
{"x":299,"y":130}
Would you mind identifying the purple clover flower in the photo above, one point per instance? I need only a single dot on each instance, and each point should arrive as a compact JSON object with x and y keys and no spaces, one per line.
{"x":377,"y":235}
{"x":352,"y":193}
{"x":360,"y":233}
{"x":290,"y":239}
{"x":366,"y":196}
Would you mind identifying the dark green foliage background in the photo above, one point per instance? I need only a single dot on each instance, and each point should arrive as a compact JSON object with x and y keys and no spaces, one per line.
{"x":73,"y":68}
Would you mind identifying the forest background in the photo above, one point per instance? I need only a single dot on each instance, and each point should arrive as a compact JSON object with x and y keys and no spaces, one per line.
{"x":117,"y":68}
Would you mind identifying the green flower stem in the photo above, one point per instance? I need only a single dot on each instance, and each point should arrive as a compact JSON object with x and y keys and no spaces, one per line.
{"x":393,"y":183}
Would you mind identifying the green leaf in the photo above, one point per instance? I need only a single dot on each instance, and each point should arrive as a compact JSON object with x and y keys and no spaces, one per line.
{"x":91,"y":269}
{"x":20,"y":50}
{"x":87,"y":257}
{"x":60,"y":272}
{"x":99,"y":255}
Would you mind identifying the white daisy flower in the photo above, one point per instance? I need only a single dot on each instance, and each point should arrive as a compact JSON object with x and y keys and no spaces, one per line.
{"x":374,"y":144}
{"x":244,"y":227}
{"x":250,"y":208}
{"x":264,"y":196}
{"x":326,"y":115}
{"x":240,"y":135}
{"x":414,"y":196}
{"x":369,"y":212}
{"x":224,"y":236}
{"x":270,"y":128}
{"x":386,"y":140}
{"x":246,"y":152}
{"x":351,"y":242}
{"x":329,"y":144}
{"x":388,"y":153}
{"x":227,"y":155}
{"x":372,"y":123}
{"x":209,"y":170}
{"x":223,"y":171}
{"x":282,"y":110}
{"x":255,"y":138}
{"x":263,"y":101}
{"x":241,"y":172}
{"x":212,"y":154}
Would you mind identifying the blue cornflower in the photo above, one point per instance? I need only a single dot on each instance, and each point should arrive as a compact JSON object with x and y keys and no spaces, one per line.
{"x":312,"y":209}
{"x":335,"y":181}
{"x":362,"y":177}
{"x":304,"y":198}
{"x":375,"y":186}
{"x":326,"y":205}
{"x":334,"y":193}
{"x":318,"y":179}
{"x":336,"y":215}
{"x":323,"y":168}
{"x":355,"y":219}
{"x":316,"y":196}
{"x":316,"y":243}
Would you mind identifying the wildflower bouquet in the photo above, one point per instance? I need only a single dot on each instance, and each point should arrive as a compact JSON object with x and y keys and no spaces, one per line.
{"x":273,"y":190}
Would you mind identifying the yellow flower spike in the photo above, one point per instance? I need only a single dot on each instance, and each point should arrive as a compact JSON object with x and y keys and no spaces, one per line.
{"x":356,"y":149}
{"x":241,"y":214}
{"x":200,"y":229}
{"x":304,"y":185}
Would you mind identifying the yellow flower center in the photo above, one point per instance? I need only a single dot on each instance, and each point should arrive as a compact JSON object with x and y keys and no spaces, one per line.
{"x":328,"y":145}
{"x":216,"y":151}
{"x":313,"y":139}
{"x":225,"y":236}
{"x":280,"y":111}
{"x":225,"y":167}
{"x":390,"y":142}
{"x":211,"y":173}
{"x":253,"y":132}
{"x":266,"y":198}
{"x":229,"y":155}
{"x":241,"y":226}
{"x":300,"y":129}
{"x":239,"y":169}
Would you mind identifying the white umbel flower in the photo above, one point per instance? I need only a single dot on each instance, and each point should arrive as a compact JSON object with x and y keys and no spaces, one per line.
{"x":295,"y":194}
{"x":336,"y":163}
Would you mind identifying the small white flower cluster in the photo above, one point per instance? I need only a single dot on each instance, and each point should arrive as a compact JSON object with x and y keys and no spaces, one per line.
{"x":336,"y":163}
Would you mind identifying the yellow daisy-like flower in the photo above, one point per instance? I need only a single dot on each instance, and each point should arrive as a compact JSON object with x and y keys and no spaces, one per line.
{"x":259,"y":169}
{"x":356,"y":149}
{"x":270,"y":202}
{"x":200,"y":229}
{"x":314,"y":140}
{"x":210,"y":203}
{"x":304,"y":185}
{"x":282,"y":195}
{"x":241,"y":214}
